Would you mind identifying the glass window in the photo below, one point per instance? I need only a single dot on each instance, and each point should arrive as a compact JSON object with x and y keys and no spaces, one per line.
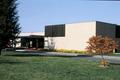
{"x":117,"y":31}
{"x":55,"y":30}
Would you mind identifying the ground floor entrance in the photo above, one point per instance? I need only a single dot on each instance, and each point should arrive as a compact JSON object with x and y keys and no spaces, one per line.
{"x":31,"y":42}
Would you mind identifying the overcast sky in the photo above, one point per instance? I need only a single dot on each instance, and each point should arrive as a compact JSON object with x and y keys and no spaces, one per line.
{"x":35,"y":14}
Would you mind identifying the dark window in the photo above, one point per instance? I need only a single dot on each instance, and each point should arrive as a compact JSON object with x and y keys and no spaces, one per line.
{"x":24,"y":42}
{"x":117,"y":31}
{"x":48,"y":31}
{"x":55,"y":31}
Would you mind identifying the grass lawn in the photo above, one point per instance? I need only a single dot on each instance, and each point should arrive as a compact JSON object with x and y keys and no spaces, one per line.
{"x":54,"y":68}
{"x":115,"y":54}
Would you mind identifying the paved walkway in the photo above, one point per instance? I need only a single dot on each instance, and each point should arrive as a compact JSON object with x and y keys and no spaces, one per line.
{"x":111,"y":59}
{"x":43,"y":53}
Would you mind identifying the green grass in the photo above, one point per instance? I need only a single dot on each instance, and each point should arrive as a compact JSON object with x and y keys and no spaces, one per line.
{"x":115,"y":54}
{"x":54,"y":68}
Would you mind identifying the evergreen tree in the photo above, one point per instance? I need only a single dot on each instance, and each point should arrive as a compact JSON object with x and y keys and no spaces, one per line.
{"x":9,"y":26}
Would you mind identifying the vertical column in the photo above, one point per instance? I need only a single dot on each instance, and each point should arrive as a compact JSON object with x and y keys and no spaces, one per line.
{"x":37,"y":43}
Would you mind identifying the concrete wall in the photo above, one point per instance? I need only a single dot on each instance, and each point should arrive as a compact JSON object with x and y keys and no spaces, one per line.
{"x":76,"y":36}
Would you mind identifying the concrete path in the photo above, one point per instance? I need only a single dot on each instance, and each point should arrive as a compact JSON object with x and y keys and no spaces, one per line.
{"x":111,"y":59}
{"x":43,"y":53}
{"x":59,"y":54}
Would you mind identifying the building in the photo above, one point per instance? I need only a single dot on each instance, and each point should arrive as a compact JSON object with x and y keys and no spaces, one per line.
{"x":30,"y":40}
{"x":75,"y":36}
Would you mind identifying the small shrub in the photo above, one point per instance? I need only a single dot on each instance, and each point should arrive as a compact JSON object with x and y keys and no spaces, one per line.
{"x":66,"y":51}
{"x":71,"y":51}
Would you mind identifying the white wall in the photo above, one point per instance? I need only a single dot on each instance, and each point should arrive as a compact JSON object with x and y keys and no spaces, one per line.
{"x":18,"y":44}
{"x":76,"y":36}
{"x":31,"y":33}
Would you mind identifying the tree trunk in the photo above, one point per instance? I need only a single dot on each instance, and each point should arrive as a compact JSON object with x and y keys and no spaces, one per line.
{"x":102,"y":56}
{"x":103,"y":60}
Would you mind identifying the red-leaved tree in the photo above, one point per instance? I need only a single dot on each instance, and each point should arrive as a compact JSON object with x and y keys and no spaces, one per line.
{"x":101,"y":45}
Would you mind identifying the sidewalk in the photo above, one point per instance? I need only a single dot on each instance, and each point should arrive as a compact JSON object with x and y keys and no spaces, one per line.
{"x":111,"y":59}
{"x":60,"y":54}
{"x":43,"y":53}
{"x":108,"y":57}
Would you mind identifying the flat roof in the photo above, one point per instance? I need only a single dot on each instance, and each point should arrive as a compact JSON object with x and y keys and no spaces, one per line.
{"x":23,"y":34}
{"x":82,"y":22}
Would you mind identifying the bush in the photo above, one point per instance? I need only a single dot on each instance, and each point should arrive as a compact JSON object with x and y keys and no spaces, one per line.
{"x":68,"y":51}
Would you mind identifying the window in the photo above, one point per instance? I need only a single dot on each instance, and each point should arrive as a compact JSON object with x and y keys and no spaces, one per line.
{"x":117,"y":31}
{"x":55,"y":30}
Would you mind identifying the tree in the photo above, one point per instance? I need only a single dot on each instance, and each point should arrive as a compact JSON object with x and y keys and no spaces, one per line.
{"x":9,"y":26}
{"x":101,"y":45}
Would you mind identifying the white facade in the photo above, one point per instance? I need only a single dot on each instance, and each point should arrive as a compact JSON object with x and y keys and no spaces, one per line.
{"x":18,"y":44}
{"x":77,"y":35}
{"x":31,"y":33}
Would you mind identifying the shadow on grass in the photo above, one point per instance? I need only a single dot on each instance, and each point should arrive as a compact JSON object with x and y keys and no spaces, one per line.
{"x":84,"y":55}
{"x":43,"y":55}
{"x":25,"y":55}
{"x":37,"y":55}
{"x":114,"y":63}
{"x":10,"y":62}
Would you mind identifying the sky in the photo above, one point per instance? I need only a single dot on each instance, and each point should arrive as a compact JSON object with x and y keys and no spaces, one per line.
{"x":35,"y":14}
